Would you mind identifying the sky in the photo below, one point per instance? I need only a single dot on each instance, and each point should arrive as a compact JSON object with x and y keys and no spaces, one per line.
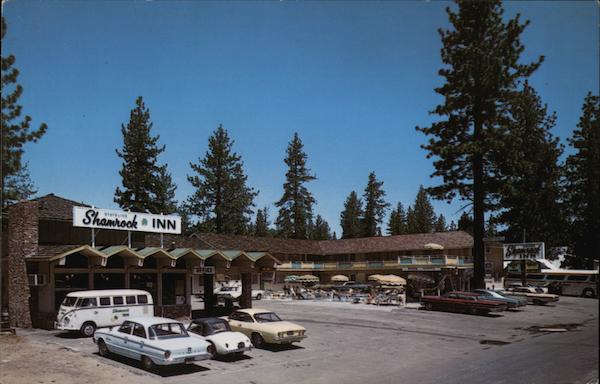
{"x":352,"y":78}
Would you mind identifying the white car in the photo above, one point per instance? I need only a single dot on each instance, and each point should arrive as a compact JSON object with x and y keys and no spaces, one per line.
{"x":233,"y":293}
{"x":218,"y":332}
{"x":153,"y":341}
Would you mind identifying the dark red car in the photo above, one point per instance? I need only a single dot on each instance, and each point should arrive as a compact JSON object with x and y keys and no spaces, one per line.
{"x":466,"y":302}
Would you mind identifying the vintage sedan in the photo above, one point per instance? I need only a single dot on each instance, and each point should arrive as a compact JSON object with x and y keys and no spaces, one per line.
{"x":512,"y":302}
{"x":153,"y":341}
{"x":466,"y":302}
{"x":265,"y":327}
{"x":218,"y":332}
{"x":532,"y":295}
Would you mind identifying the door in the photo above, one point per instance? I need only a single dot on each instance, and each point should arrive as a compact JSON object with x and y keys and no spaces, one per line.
{"x":121,"y":339}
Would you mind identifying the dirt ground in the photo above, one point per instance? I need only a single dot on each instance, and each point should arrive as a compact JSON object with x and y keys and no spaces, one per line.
{"x":54,"y":364}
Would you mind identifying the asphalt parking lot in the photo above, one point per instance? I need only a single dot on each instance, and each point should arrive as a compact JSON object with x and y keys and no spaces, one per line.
{"x":350,"y":343}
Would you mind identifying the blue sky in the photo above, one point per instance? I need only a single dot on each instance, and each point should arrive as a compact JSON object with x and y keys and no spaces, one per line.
{"x":352,"y":78}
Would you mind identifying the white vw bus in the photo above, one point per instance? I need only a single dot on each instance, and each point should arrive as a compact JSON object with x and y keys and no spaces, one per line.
{"x":85,"y":311}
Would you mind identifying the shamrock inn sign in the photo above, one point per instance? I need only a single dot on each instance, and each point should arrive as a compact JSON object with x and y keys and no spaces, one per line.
{"x":126,"y":221}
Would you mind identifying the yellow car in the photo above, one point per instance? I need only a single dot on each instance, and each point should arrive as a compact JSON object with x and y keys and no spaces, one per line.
{"x":265,"y":327}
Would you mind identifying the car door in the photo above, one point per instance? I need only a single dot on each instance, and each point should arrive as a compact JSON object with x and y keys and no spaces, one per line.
{"x":137,"y":342}
{"x":120,"y":341}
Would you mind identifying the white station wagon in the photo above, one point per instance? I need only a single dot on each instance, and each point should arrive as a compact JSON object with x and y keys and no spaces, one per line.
{"x":153,"y":341}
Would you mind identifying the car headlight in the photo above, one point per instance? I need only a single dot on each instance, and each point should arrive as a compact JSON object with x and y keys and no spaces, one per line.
{"x":280,"y":334}
{"x":66,"y":320}
{"x":167,"y":354}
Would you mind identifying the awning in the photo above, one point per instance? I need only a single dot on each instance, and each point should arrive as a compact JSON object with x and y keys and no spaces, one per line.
{"x":433,"y":246}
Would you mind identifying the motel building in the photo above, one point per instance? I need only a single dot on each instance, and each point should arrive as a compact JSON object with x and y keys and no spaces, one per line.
{"x":50,"y":248}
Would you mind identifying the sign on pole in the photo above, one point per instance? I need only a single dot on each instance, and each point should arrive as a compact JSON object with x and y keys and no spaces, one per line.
{"x":524,"y":251}
{"x":125,"y":221}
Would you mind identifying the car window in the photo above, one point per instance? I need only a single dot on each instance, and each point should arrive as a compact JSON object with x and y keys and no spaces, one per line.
{"x":126,"y":327}
{"x":196,"y":328}
{"x":130,"y":299}
{"x":167,"y":331}
{"x":139,"y":331}
{"x":245,"y":317}
{"x":87,"y":302}
{"x":142,"y":299}
{"x":266,"y":317}
{"x":118,"y":300}
{"x":235,"y":316}
{"x":105,"y":301}
{"x":219,"y":326}
{"x":69,"y":301}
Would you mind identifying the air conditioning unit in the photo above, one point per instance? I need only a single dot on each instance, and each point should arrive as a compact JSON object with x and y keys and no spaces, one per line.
{"x":36,"y":280}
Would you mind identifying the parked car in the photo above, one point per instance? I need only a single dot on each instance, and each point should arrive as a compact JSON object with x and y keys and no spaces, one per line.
{"x":218,"y":332}
{"x":532,"y":295}
{"x":511,"y":301}
{"x":233,"y":293}
{"x":265,"y":327}
{"x":258,"y":294}
{"x":466,"y":302}
{"x":153,"y":341}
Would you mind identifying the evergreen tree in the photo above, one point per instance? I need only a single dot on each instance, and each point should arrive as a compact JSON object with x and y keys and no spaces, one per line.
{"x":424,"y":216}
{"x":334,"y":236}
{"x":452,"y":226}
{"x":490,"y":227}
{"x":465,"y":223}
{"x":440,"y":224}
{"x":186,"y":225}
{"x":530,"y":192}
{"x":261,"y":227}
{"x":16,"y":132}
{"x":397,"y":224}
{"x":222,"y":200}
{"x":583,"y":185}
{"x":321,"y":230}
{"x":295,"y":206}
{"x":481,"y":66}
{"x":351,"y":217}
{"x":375,"y":206}
{"x":147,"y":187}
{"x":411,"y":222}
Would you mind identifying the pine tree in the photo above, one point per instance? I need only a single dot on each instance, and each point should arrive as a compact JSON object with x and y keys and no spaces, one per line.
{"x":295,"y":206}
{"x":452,"y":226}
{"x":186,"y":225}
{"x":465,"y":223}
{"x":222,"y":200}
{"x":351,"y":217}
{"x":530,"y":192}
{"x":375,"y":206}
{"x":424,"y":216}
{"x":261,"y":226}
{"x":411,"y":222}
{"x":482,"y":71}
{"x":321,"y":230}
{"x":440,"y":224}
{"x":397,"y":224}
{"x":16,"y":132}
{"x":147,"y":187}
{"x":583,"y":185}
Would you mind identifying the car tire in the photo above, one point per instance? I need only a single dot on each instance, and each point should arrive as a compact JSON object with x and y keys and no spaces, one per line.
{"x":147,"y":363}
{"x":258,"y":297}
{"x":257,"y":340}
{"x":588,"y":292}
{"x":103,"y":349}
{"x":214,"y":348}
{"x":88,"y":328}
{"x":538,"y":302}
{"x":429,"y":306}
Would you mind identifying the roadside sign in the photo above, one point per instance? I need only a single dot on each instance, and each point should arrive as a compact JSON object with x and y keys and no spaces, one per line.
{"x":524,"y":251}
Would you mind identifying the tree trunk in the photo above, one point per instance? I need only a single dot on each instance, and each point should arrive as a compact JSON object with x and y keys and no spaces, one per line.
{"x":478,"y":217}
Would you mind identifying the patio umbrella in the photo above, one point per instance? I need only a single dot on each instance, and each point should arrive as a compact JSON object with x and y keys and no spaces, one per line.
{"x":433,"y":246}
{"x":340,"y":279}
{"x":307,"y":279}
{"x":388,"y":279}
{"x":290,"y":278}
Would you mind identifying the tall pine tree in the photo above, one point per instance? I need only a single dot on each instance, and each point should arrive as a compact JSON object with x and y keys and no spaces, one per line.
{"x":481,"y":66}
{"x":423,"y":215}
{"x":321,"y":230}
{"x":583,"y":185}
{"x":440,"y":224}
{"x":261,"y":225}
{"x":222,"y":200}
{"x":375,"y":206}
{"x":295,"y":206}
{"x":147,"y":187}
{"x":351,"y":217}
{"x":397,"y":224}
{"x":16,"y":132}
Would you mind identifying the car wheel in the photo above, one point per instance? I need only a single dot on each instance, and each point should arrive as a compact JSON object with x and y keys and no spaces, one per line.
{"x":429,"y":306}
{"x":88,"y":328}
{"x":147,"y":363}
{"x":538,"y":302}
{"x":588,"y":293}
{"x":212,"y":349}
{"x":258,"y":297}
{"x":102,"y":348}
{"x":257,"y":340}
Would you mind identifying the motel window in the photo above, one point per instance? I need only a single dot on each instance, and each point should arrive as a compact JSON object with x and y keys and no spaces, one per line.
{"x":130,"y":299}
{"x":556,"y":277}
{"x":104,"y":301}
{"x":535,"y":277}
{"x":577,"y":278}
{"x":118,"y":300}
{"x":142,"y":299}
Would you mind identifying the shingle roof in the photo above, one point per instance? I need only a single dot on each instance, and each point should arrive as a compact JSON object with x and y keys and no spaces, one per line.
{"x":55,"y":207}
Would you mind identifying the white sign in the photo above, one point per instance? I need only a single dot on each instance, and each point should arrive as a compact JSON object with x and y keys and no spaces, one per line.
{"x":209,"y":270}
{"x":125,"y":221}
{"x":524,"y":251}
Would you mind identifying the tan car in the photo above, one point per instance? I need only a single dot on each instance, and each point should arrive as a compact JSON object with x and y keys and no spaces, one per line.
{"x":265,"y":327}
{"x":532,"y":295}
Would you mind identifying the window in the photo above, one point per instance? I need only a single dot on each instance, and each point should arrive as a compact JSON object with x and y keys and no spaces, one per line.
{"x":139,"y":331}
{"x":196,"y":328}
{"x":577,"y":278}
{"x":130,"y":299}
{"x":245,"y":318}
{"x":266,"y":317}
{"x":167,"y":331}
{"x":105,"y":301}
{"x":535,"y":277}
{"x":593,"y":278}
{"x":126,"y":327}
{"x":88,"y":302}
{"x":118,"y":300}
{"x":69,"y":301}
{"x":142,"y":299}
{"x":555,"y":277}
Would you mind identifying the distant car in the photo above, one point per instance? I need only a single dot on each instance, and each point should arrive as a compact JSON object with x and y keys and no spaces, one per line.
{"x":258,"y":294}
{"x":265,"y":327}
{"x":234,"y":293}
{"x":532,"y":295}
{"x":466,"y":302}
{"x":218,"y":332}
{"x":511,"y":302}
{"x":153,"y":341}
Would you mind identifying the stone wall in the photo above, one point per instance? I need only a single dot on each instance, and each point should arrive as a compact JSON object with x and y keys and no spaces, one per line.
{"x":22,"y":243}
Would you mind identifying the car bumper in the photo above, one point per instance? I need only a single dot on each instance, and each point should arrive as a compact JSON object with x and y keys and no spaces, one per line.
{"x":229,"y":351}
{"x":184,"y":359}
{"x":287,"y":339}
{"x":65,"y":327}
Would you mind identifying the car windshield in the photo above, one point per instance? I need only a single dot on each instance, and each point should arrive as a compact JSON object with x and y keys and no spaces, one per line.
{"x":167,"y":331}
{"x":69,"y":301}
{"x":219,"y":326}
{"x":495,"y":294}
{"x":266,"y":317}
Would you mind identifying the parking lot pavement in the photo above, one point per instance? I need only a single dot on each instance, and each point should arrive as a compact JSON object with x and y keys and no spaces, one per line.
{"x":359,"y":343}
